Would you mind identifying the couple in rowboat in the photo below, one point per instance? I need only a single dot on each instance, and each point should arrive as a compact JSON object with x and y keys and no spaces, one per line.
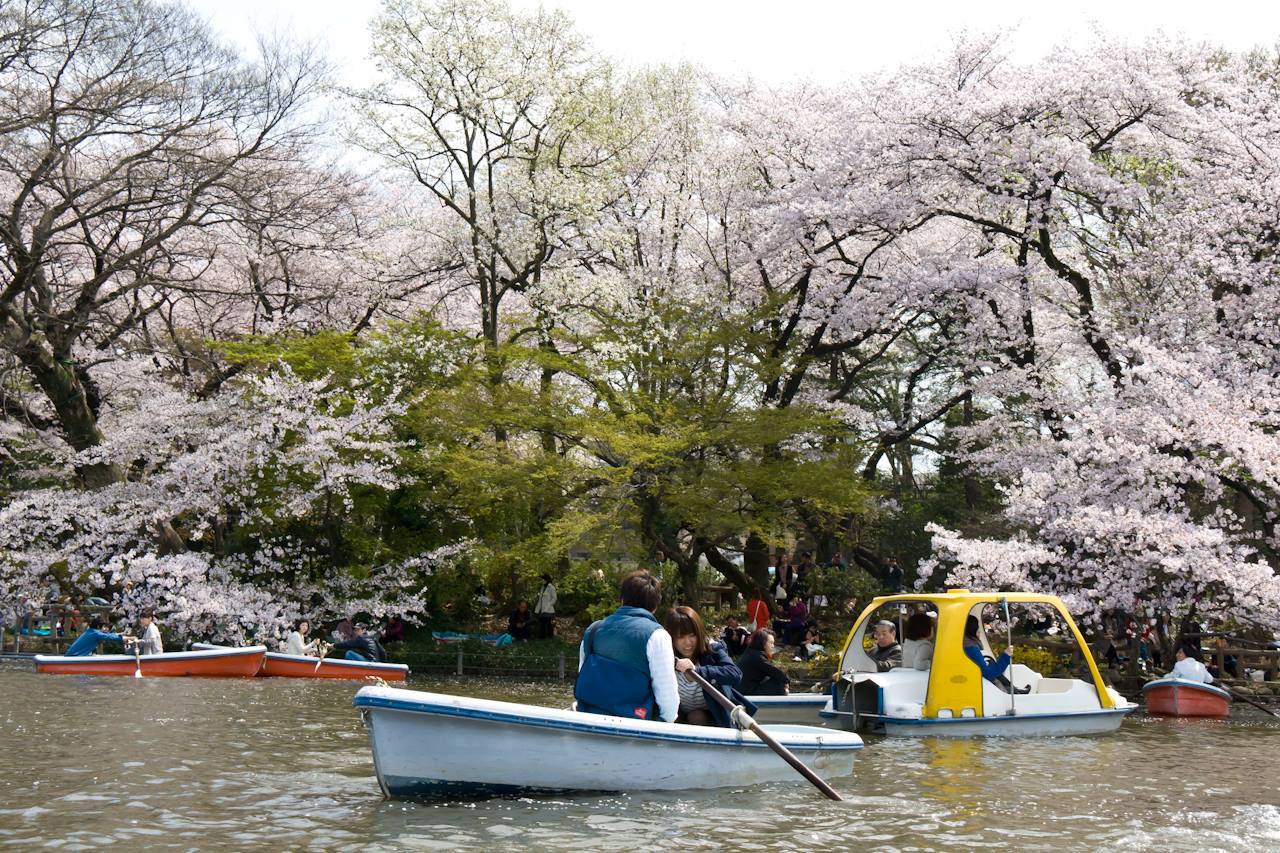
{"x":629,"y":665}
{"x":361,"y":646}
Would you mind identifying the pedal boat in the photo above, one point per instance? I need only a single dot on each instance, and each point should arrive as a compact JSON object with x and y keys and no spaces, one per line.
{"x":439,"y":747}
{"x":1177,"y":697}
{"x":207,"y":663}
{"x":952,"y":698}
{"x":281,"y":665}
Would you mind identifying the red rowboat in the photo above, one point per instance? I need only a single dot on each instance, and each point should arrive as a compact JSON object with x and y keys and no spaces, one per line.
{"x":1176,"y":697}
{"x":280,"y":665}
{"x":211,"y":663}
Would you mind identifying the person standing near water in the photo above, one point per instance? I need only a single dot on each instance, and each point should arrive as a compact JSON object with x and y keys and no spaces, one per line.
{"x":545,"y":609}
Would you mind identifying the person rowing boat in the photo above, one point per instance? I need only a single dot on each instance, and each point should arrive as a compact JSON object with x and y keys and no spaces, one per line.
{"x":361,"y":646}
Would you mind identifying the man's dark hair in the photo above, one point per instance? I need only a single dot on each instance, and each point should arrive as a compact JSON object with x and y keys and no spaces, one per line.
{"x":97,"y":623}
{"x":641,"y":589}
{"x":149,"y":614}
{"x":1192,"y":651}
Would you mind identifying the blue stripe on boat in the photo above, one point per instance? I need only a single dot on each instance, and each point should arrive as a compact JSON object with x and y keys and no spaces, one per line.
{"x":575,"y":726}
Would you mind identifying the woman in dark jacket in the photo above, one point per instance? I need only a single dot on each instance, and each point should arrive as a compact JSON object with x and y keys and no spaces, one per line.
{"x":759,"y":677}
{"x":710,"y":660}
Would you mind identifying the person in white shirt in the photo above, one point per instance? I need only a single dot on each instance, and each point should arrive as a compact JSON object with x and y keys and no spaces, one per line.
{"x":297,"y":643}
{"x":544,"y":607}
{"x":1188,"y":666}
{"x":917,"y":649}
{"x":149,"y":642}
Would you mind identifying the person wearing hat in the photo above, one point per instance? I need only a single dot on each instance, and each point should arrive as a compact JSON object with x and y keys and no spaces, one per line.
{"x":361,"y":646}
{"x":545,"y":609}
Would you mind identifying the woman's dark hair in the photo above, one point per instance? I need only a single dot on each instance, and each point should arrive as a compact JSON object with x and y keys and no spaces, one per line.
{"x":682,"y":621}
{"x":147,"y":614}
{"x":919,"y":626}
{"x":641,"y":589}
{"x":759,"y":639}
{"x":1190,"y":650}
{"x":297,"y":623}
{"x":971,"y":626}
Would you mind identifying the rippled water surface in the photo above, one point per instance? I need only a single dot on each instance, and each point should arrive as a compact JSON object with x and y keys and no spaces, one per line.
{"x":283,"y":764}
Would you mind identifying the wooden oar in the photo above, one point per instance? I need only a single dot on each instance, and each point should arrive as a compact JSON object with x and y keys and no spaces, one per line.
{"x":742,"y":719}
{"x":1242,"y":698}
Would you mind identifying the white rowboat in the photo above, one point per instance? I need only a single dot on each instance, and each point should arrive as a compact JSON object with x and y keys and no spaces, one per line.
{"x":436,"y":746}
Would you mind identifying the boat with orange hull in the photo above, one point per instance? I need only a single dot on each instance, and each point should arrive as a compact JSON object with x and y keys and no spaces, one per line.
{"x":280,"y":665}
{"x":1177,"y":697}
{"x":208,"y":663}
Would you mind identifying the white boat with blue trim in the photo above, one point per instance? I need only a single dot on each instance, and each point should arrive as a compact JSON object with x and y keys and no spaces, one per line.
{"x":441,"y":747}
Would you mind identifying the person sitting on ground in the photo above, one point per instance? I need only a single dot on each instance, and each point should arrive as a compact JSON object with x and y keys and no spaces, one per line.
{"x":811,"y":644}
{"x":797,"y":619}
{"x":759,"y":677}
{"x":626,"y":665}
{"x":917,"y":649}
{"x":88,"y":642}
{"x":393,"y":631}
{"x":1189,"y":667}
{"x":734,"y":637}
{"x":297,"y":642}
{"x":886,"y":654}
{"x":361,"y":646}
{"x":696,"y":653}
{"x":148,"y":641}
{"x":520,"y":622}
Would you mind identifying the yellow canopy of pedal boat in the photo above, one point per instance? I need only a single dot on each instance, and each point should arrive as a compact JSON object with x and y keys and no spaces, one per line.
{"x":955,"y":682}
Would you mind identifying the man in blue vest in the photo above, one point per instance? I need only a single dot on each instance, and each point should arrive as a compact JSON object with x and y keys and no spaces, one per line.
{"x":626,"y":665}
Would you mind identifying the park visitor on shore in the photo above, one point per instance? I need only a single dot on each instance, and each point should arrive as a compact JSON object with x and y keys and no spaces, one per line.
{"x":544,"y":607}
{"x":626,"y":663}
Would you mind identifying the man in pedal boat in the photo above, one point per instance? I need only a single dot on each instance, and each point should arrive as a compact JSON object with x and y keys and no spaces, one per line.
{"x":626,"y":665}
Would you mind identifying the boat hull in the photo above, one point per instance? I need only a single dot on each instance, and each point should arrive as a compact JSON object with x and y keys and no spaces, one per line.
{"x":434,"y":746}
{"x":1175,"y":697}
{"x":801,"y":709}
{"x":210,"y":663}
{"x":279,"y":665}
{"x":1027,"y":725}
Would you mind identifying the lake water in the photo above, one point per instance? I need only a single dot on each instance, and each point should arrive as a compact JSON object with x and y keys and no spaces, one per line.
{"x":284,"y":764}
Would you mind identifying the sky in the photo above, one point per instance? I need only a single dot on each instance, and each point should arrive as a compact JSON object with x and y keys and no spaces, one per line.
{"x":778,"y":42}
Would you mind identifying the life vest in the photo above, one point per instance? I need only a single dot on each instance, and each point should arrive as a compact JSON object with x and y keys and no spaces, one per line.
{"x":614,"y":678}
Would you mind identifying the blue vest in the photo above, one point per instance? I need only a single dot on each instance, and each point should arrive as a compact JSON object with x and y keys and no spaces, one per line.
{"x":615,"y":667}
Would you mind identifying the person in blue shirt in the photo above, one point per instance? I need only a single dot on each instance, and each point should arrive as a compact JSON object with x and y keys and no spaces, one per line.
{"x":88,"y":642}
{"x":992,"y":670}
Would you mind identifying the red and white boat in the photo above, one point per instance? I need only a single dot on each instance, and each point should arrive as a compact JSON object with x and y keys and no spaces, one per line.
{"x":1177,"y":697}
{"x":208,"y":663}
{"x":281,"y":665}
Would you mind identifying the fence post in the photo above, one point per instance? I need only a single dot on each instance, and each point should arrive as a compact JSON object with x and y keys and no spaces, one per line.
{"x":562,"y":666}
{"x":459,"y":661}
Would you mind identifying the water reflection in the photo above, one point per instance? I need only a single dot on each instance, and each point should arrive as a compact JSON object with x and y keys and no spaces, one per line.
{"x":284,"y":764}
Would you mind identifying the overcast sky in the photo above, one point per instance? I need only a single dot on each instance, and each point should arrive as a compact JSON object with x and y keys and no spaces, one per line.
{"x":777,"y":41}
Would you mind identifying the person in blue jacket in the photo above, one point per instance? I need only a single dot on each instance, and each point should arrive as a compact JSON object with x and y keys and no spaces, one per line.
{"x":626,"y":667}
{"x":992,"y":670}
{"x":709,"y":659}
{"x":88,"y":642}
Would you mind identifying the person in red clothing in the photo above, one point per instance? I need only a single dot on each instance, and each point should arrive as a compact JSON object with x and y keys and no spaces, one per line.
{"x":757,"y":615}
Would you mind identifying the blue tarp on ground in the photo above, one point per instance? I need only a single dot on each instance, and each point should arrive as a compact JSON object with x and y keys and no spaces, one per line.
{"x":455,"y":637}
